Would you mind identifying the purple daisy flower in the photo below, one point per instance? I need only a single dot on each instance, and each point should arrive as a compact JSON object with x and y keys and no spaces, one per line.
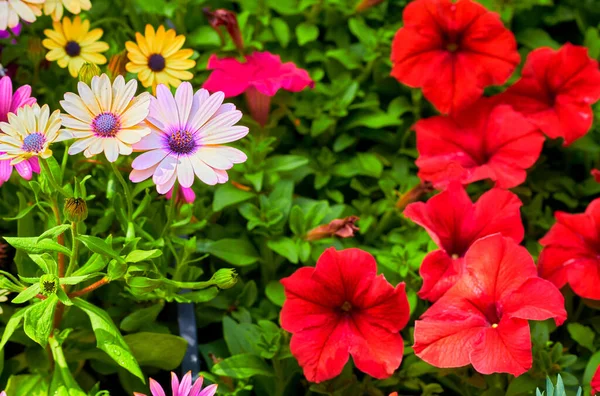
{"x":185,"y":388}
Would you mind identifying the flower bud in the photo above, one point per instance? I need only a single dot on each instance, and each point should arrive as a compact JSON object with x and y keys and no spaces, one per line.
{"x":76,"y":209}
{"x":228,"y":19}
{"x":88,"y":71}
{"x":49,"y":284}
{"x":225,"y":278}
{"x":116,"y":64}
{"x":35,"y":50}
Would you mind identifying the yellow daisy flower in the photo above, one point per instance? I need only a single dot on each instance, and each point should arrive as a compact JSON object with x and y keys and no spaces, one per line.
{"x":13,"y":10}
{"x":157,"y":58}
{"x":105,"y":117}
{"x":29,"y":133}
{"x":72,"y":44}
{"x":54,"y":8}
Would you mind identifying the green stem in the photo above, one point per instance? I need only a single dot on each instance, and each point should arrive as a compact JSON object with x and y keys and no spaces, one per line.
{"x":171,"y":213}
{"x":126,"y":190}
{"x":190,"y":285}
{"x":75,"y":253}
{"x":51,"y":179}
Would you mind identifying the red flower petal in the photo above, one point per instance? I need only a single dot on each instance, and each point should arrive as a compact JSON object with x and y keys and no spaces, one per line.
{"x":383,"y":305}
{"x":454,"y":223}
{"x":571,"y":251}
{"x":504,"y":349}
{"x":483,"y":142}
{"x":596,"y":382}
{"x":322,"y":351}
{"x":536,"y":299}
{"x":556,"y":90}
{"x":453,"y":51}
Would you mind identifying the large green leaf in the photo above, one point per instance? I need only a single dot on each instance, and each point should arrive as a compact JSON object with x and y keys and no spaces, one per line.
{"x":108,"y":337}
{"x":242,"y":366}
{"x":32,"y":245}
{"x":164,"y":351}
{"x":238,"y":252}
{"x":39,"y":320}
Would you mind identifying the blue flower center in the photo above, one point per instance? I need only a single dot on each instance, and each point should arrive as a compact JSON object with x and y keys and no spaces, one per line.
{"x":182,"y":142}
{"x":156,"y":62}
{"x":73,"y":48}
{"x":34,"y":143}
{"x":106,"y":125}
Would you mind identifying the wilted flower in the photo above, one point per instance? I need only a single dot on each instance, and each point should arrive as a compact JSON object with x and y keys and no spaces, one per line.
{"x":29,"y":133}
{"x":54,"y":8}
{"x":228,"y":19}
{"x":105,"y":117}
{"x":76,"y":209}
{"x":72,"y":44}
{"x":343,"y":228}
{"x":157,"y":58}
{"x":260,"y":77}
{"x":225,"y":278}
{"x":87,"y":72}
{"x":9,"y":103}
{"x":13,"y":10}
{"x":185,"y":388}
{"x":188,"y":133}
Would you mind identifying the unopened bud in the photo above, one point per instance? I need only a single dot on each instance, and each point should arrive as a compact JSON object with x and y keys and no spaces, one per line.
{"x":35,"y":50}
{"x":366,"y":4}
{"x":225,"y":278}
{"x":116,"y":64}
{"x":76,"y":209}
{"x":49,"y":284}
{"x":228,"y":19}
{"x":88,"y":71}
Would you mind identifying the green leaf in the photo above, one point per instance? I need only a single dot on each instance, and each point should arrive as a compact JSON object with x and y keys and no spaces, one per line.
{"x":281,"y":31}
{"x":142,"y":255}
{"x":583,"y":335}
{"x":275,"y":293}
{"x":591,"y":367}
{"x":31,"y":245}
{"x":99,"y":246}
{"x":46,"y":263}
{"x":27,"y":294}
{"x":22,"y":213}
{"x":535,"y":38}
{"x":39,"y":318}
{"x":12,"y":325}
{"x":109,"y":339}
{"x":280,"y":163}
{"x":592,"y":42}
{"x":242,"y":366}
{"x":306,"y":32}
{"x":95,"y":263}
{"x":366,"y":35}
{"x":235,"y":251}
{"x":54,"y":232}
{"x":285,"y":247}
{"x":296,"y":221}
{"x":140,"y":317}
{"x":204,"y":36}
{"x":227,"y":195}
{"x":164,"y":351}
{"x":27,"y":385}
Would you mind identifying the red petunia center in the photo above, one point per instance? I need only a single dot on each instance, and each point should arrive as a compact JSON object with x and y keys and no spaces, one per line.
{"x":493,"y":314}
{"x":452,"y":47}
{"x":346,"y":306}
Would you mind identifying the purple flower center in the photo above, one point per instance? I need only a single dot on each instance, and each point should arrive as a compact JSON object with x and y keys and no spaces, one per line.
{"x":73,"y":48}
{"x":182,"y":142}
{"x":156,"y":62}
{"x":34,"y":143}
{"x":106,"y":125}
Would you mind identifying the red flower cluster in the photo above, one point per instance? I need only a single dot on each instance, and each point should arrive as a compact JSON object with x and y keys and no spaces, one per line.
{"x":341,"y":308}
{"x":572,"y":252}
{"x":455,"y":223}
{"x":483,"y":318}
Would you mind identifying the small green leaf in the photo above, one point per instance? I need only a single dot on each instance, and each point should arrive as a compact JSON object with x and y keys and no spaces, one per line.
{"x":227,"y":195}
{"x":281,"y":163}
{"x":12,"y":325}
{"x":163,"y":351}
{"x":285,"y":247}
{"x":242,"y":366}
{"x":54,"y":232}
{"x":275,"y":293}
{"x":95,"y":263}
{"x":235,"y":251}
{"x":99,"y":246}
{"x":21,"y":213}
{"x":306,"y":32}
{"x":27,"y":294}
{"x":109,"y":339}
{"x":39,"y":318}
{"x":142,"y":255}
{"x":583,"y":335}
{"x":140,"y":317}
{"x":31,"y":245}
{"x":27,"y":385}
{"x":46,"y":263}
{"x":281,"y":31}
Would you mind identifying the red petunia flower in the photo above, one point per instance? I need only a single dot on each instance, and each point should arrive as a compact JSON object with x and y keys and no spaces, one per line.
{"x":596,"y":382}
{"x":452,"y":50}
{"x":341,"y":307}
{"x":596,"y":174}
{"x":454,"y":223}
{"x":571,"y":252}
{"x":556,"y":91}
{"x":484,"y":141}
{"x":483,"y":319}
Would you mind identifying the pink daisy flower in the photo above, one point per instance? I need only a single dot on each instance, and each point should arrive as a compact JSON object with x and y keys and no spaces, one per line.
{"x":260,"y":77}
{"x":9,"y":103}
{"x":185,"y":388}
{"x":186,"y":140}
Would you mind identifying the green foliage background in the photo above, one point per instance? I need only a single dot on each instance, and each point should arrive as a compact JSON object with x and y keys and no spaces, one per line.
{"x":344,"y":148}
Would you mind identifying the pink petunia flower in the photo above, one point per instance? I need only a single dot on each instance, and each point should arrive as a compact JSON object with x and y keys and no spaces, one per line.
{"x":184,"y":195}
{"x":260,"y":77}
{"x":183,"y":388}
{"x":187,"y":135}
{"x":9,"y":103}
